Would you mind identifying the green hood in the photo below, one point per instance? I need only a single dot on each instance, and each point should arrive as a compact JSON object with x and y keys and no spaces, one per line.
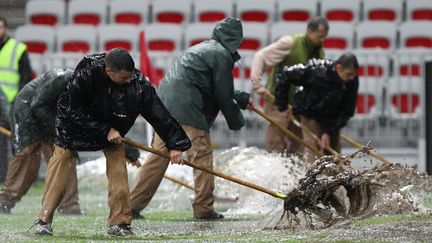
{"x":229,"y":32}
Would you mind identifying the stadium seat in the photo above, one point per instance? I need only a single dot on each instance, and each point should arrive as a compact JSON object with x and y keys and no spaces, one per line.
{"x":164,"y":37}
{"x":337,"y":10}
{"x":92,"y":12}
{"x":242,"y":85}
{"x":198,"y":32}
{"x":340,"y":36}
{"x":368,"y":98}
{"x":37,"y":64}
{"x":405,"y":97}
{"x":256,"y":10}
{"x":175,"y":12}
{"x":294,"y":10}
{"x":242,"y":69}
{"x":382,"y":10}
{"x":255,"y":36}
{"x":280,"y":29}
{"x":76,"y":38}
{"x":372,"y":64}
{"x":419,"y":10}
{"x":415,"y":34}
{"x":118,"y":35}
{"x":129,"y":11}
{"x":45,"y":12}
{"x":211,"y":10}
{"x":38,"y":38}
{"x":374,"y":34}
{"x":409,"y":63}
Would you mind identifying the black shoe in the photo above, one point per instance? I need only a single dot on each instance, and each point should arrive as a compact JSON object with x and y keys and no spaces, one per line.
{"x":213,"y":216}
{"x":120,"y":230}
{"x":42,"y":228}
{"x":136,"y":215}
{"x":5,"y":209}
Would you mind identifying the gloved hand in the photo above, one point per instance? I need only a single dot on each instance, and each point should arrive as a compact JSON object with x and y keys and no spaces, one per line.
{"x":132,"y":155}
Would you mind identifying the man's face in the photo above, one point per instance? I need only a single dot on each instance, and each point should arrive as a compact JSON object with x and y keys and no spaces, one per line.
{"x":346,"y":74}
{"x":2,"y":29}
{"x":119,"y":77}
{"x":317,"y":37}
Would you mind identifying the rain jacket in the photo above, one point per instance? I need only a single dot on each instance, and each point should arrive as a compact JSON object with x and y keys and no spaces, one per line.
{"x":34,"y":110}
{"x":4,"y":111}
{"x":200,"y":83}
{"x":93,"y":104}
{"x":323,"y":95}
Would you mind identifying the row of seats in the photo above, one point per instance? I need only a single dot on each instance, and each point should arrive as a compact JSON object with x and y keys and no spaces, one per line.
{"x":397,"y":95}
{"x":174,"y":38}
{"x":96,"y":12}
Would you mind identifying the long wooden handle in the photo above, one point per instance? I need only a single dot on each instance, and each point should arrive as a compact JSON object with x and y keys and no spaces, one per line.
{"x":210,"y":171}
{"x":358,"y":145}
{"x":180,"y":182}
{"x":5,"y":132}
{"x":346,"y":138}
{"x":308,"y":131}
{"x":288,"y":132}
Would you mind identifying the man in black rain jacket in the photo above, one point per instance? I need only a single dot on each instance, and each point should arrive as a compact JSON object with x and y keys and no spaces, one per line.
{"x":325,"y":100}
{"x":100,"y":105}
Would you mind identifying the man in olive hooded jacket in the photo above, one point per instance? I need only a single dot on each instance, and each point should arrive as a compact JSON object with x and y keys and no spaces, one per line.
{"x":195,"y":89}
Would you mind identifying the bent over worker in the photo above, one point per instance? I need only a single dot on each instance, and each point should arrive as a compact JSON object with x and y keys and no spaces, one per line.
{"x":100,"y":105}
{"x":326,"y":100}
{"x":195,"y":89}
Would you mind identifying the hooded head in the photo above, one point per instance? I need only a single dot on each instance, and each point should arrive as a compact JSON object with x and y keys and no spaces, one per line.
{"x":229,"y":32}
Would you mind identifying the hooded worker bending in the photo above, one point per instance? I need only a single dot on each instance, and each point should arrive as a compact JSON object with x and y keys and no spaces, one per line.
{"x":195,"y":89}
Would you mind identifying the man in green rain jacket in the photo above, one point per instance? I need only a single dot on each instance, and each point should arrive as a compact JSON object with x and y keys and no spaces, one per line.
{"x":195,"y":89}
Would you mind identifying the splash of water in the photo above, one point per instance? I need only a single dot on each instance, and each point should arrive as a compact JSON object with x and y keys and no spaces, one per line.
{"x":270,"y":170}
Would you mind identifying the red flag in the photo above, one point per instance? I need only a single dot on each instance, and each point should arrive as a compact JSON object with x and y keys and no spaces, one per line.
{"x":146,"y":67}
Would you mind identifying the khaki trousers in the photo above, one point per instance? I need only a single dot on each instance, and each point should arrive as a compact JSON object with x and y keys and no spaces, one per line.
{"x":60,"y":166}
{"x":23,"y":170}
{"x":315,"y":127}
{"x":153,"y":170}
{"x":276,"y":139}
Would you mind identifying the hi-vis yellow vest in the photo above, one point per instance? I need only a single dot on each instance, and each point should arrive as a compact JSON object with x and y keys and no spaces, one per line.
{"x":10,"y":55}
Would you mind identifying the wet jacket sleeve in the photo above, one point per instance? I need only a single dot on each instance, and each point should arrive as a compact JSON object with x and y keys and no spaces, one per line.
{"x":346,"y":110}
{"x":223,"y":88}
{"x":168,"y":129}
{"x":4,"y":111}
{"x":242,"y":98}
{"x":79,"y":91}
{"x":24,"y":69}
{"x":44,"y":103}
{"x":296,"y":75}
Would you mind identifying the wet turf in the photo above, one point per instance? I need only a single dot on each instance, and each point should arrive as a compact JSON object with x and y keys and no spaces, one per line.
{"x":179,"y":226}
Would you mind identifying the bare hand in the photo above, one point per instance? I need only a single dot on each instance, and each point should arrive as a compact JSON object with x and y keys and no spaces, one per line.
{"x":251,"y":105}
{"x":176,"y":157}
{"x":114,"y":136}
{"x":263,"y":91}
{"x":325,"y":140}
